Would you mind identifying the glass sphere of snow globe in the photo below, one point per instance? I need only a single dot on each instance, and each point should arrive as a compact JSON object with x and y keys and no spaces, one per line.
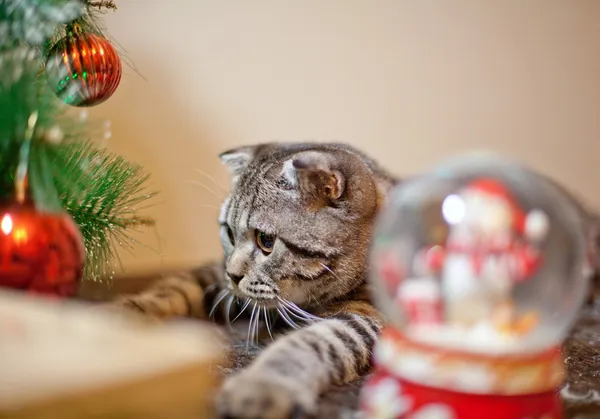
{"x":480,"y":256}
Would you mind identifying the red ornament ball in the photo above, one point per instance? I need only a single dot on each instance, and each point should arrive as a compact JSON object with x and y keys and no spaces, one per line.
{"x":83,"y":69}
{"x":40,"y":252}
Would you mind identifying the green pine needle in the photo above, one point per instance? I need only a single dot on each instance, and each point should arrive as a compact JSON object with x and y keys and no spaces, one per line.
{"x":102,"y":192}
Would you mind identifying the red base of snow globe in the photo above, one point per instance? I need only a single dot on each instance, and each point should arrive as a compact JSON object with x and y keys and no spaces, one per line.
{"x":517,"y":387}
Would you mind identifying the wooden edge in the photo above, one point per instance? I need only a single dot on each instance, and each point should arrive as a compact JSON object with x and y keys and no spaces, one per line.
{"x":187,"y":392}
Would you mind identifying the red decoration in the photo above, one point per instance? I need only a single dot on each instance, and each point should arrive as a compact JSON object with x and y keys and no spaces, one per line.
{"x":523,"y":386}
{"x":491,"y":188}
{"x":424,"y":402}
{"x":83,"y":69}
{"x":434,"y":258}
{"x":40,"y":252}
{"x":421,"y":301}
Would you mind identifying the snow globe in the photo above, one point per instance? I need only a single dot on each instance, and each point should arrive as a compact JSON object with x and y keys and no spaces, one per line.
{"x":480,"y":267}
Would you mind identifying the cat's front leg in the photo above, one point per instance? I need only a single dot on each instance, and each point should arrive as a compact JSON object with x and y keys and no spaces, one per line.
{"x":185,"y":294}
{"x":287,"y":379}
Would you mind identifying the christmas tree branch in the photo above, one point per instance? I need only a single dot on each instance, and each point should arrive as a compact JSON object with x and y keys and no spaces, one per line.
{"x":106,"y":4}
{"x":101,"y":191}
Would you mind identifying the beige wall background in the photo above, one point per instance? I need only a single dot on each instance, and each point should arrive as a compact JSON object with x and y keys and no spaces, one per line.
{"x":410,"y":82}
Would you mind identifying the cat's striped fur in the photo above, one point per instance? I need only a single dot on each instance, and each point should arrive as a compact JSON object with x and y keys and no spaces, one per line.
{"x":317,"y":204}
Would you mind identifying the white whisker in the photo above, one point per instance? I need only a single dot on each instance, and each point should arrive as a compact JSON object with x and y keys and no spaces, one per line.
{"x":256,"y":324}
{"x":207,"y":206}
{"x":290,"y":309}
{"x":220,"y":297}
{"x":214,"y":181}
{"x":303,"y":312}
{"x":286,"y":304}
{"x":202,"y":185}
{"x":242,"y":310}
{"x":228,"y":310}
{"x":283,"y":313}
{"x":250,"y":327}
{"x":297,"y":311}
{"x":315,"y":300}
{"x":330,"y":271}
{"x":267,"y":322}
{"x":298,"y":316}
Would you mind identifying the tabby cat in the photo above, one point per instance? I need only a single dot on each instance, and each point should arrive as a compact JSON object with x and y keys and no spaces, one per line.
{"x":295,"y":231}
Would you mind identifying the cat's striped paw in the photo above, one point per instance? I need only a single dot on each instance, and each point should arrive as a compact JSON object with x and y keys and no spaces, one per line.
{"x":255,"y":395}
{"x":128,"y":307}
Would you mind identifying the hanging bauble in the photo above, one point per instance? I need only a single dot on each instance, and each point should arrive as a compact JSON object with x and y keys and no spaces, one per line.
{"x":481,"y":268}
{"x":39,"y":252}
{"x":83,"y":69}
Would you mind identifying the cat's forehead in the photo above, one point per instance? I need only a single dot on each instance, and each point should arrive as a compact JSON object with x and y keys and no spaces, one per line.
{"x":265,"y":194}
{"x":267,"y":203}
{"x":267,"y":175}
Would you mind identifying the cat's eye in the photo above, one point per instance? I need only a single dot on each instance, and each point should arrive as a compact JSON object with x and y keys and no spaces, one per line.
{"x":230,"y":235}
{"x":265,"y":242}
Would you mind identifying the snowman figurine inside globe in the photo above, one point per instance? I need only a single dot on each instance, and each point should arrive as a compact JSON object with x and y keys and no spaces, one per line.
{"x":480,"y":268}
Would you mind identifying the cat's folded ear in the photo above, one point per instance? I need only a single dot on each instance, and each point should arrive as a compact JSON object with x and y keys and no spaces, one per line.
{"x":237,"y":159}
{"x":314,"y":175}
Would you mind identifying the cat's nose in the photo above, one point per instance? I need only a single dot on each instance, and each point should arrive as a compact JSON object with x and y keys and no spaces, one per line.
{"x":235,"y":278}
